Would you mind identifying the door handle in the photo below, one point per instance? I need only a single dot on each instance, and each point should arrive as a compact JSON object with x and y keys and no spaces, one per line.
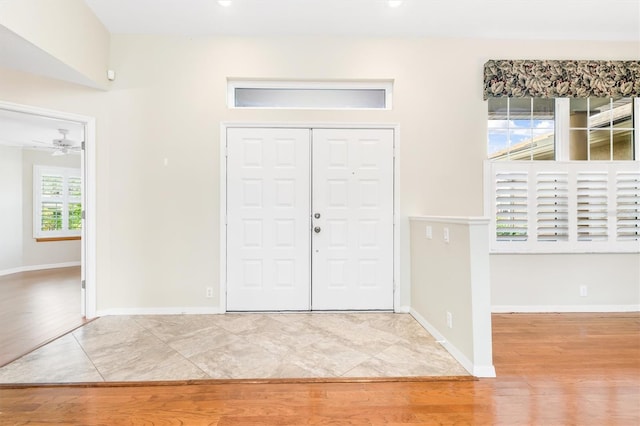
{"x":317,"y":229}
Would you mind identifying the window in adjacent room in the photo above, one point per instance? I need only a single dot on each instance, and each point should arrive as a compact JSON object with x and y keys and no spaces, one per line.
{"x":57,"y":203}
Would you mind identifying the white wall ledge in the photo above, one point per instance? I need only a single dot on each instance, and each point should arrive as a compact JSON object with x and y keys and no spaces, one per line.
{"x":462,"y":220}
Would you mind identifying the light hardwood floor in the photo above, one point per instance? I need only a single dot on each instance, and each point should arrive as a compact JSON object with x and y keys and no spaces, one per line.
{"x":37,"y":307}
{"x":553,"y":369}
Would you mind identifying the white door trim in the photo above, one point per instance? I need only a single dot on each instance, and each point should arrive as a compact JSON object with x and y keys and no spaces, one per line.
{"x":397,"y":306}
{"x":88,"y":242}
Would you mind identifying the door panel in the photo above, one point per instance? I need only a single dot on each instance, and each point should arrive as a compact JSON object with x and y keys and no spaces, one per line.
{"x":268,"y":201}
{"x":352,"y":254}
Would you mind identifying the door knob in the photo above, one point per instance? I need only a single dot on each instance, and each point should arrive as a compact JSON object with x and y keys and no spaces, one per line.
{"x":317,"y":229}
{"x":317,"y":215}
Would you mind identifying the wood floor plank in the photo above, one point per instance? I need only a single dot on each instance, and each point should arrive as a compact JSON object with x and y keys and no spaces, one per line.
{"x":546,"y":376}
{"x":37,"y":307}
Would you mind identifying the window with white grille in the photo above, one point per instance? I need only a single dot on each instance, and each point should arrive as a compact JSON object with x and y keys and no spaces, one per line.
{"x":556,"y":207}
{"x":580,"y":129}
{"x":57,"y":202}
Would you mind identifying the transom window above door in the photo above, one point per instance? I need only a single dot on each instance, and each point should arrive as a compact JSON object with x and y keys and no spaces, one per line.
{"x":273,"y":94}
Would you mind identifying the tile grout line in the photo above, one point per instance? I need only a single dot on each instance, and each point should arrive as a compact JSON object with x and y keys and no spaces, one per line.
{"x":171,"y":347}
{"x":87,"y":355}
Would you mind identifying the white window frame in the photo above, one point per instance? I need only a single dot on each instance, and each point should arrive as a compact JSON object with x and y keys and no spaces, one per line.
{"x":39,"y":171}
{"x":386,"y":85}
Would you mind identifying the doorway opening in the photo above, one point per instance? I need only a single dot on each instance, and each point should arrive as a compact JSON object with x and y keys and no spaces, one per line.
{"x":47,"y":258}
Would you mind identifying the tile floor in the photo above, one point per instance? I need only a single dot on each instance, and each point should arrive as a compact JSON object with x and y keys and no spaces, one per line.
{"x":237,"y":346}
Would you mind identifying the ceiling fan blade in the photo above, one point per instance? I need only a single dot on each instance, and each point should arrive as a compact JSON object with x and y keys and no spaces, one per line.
{"x":40,"y":147}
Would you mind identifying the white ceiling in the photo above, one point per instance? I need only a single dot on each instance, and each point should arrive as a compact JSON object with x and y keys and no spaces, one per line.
{"x":34,"y":131}
{"x":511,"y":19}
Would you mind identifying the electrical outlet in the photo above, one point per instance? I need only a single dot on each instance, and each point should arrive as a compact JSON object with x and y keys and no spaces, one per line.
{"x":449,"y":320}
{"x":446,"y":235}
{"x":584,"y":292}
{"x":209,"y":292}
{"x":428,"y":232}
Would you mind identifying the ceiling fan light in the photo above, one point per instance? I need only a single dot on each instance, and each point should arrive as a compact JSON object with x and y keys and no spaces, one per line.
{"x":395,"y":3}
{"x":224,"y":3}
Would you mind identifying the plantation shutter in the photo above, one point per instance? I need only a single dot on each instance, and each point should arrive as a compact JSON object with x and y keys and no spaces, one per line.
{"x":592,"y":216}
{"x":511,"y":201}
{"x":564,"y":207}
{"x":552,"y":206}
{"x":628,"y":206}
{"x":74,"y":206}
{"x":52,"y":201}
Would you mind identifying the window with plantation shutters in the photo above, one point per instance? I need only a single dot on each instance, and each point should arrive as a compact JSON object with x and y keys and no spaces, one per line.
{"x":57,"y":202}
{"x":564,"y":207}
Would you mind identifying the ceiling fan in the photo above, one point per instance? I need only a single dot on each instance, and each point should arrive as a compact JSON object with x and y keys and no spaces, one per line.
{"x":62,"y":145}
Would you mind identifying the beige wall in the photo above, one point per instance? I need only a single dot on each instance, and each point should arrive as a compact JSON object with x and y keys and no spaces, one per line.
{"x":452,"y":277}
{"x":545,"y":282}
{"x":65,"y":29}
{"x":10,"y":208}
{"x":158,"y":226}
{"x":441,"y":281}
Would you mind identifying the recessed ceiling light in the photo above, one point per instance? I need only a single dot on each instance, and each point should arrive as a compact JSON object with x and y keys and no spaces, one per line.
{"x":395,"y":3}
{"x":224,"y":3}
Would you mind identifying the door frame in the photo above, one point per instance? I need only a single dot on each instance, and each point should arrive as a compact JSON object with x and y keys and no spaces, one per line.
{"x":397,"y":307}
{"x":88,"y":172}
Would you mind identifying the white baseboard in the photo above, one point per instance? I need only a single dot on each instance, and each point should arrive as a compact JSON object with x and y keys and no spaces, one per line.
{"x":404,"y":309}
{"x":30,"y":268}
{"x":475,"y":370}
{"x":205,"y":310}
{"x":503,"y":309}
{"x":484,"y":371}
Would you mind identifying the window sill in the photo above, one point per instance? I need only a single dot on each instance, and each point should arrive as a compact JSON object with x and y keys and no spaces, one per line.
{"x":51,"y":239}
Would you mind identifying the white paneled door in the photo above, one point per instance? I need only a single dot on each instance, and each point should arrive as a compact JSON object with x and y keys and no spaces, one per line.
{"x":352,"y":242}
{"x":268,"y":235}
{"x":309,"y":219}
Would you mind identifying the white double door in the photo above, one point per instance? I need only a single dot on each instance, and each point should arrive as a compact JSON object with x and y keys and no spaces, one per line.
{"x":309,"y":219}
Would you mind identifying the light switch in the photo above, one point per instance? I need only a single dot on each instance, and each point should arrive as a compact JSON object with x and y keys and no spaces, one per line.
{"x":428,"y":232}
{"x":446,"y":235}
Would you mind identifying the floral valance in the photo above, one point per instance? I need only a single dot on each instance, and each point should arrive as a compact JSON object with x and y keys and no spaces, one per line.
{"x":557,"y":79}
